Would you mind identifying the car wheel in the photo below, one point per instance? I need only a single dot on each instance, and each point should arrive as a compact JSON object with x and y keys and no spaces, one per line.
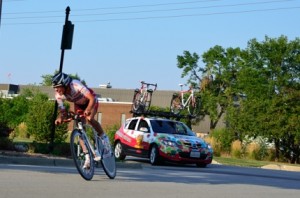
{"x":154,"y":156}
{"x":119,"y":151}
{"x":201,"y":165}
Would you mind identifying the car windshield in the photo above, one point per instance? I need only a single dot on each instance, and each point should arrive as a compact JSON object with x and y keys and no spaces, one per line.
{"x":170,"y":127}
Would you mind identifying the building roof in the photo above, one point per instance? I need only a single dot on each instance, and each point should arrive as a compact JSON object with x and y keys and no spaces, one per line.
{"x":160,"y":98}
{"x":10,"y":88}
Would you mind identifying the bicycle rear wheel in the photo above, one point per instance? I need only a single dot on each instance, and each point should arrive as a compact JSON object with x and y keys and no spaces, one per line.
{"x":194,"y":107}
{"x":147,"y":100}
{"x":108,"y":160}
{"x":136,"y":103}
{"x":79,"y":156}
{"x":176,"y":106}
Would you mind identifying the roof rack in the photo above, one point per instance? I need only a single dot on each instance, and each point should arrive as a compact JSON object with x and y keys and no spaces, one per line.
{"x":163,"y":114}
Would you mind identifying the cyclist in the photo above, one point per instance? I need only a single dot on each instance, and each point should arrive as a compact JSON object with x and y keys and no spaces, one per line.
{"x":83,"y":98}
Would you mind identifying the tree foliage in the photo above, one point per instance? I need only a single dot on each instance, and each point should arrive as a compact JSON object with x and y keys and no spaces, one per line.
{"x":13,"y":111}
{"x":257,"y":87}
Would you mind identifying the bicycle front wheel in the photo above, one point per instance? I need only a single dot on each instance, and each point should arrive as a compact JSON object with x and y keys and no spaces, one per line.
{"x":108,"y":160}
{"x":176,"y":106}
{"x":79,"y":156}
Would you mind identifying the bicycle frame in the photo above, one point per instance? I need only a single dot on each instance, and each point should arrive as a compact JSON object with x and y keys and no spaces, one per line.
{"x":97,"y":150}
{"x":180,"y":102}
{"x":144,"y":90}
{"x":79,"y":125}
{"x":190,"y":98}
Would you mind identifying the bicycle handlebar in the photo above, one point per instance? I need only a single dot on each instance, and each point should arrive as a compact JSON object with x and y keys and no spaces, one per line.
{"x":190,"y":88}
{"x":144,"y":83}
{"x":74,"y":116}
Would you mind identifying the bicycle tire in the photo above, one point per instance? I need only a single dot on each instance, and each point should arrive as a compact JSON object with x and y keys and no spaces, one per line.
{"x":147,"y":101}
{"x":193,"y":107}
{"x":79,"y":157}
{"x":108,"y":160}
{"x":136,"y":103}
{"x":176,"y":105}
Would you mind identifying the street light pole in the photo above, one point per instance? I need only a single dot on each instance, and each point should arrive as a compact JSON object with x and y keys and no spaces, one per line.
{"x":66,"y":43}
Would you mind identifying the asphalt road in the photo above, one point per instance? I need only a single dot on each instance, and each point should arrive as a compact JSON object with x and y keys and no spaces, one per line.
{"x":148,"y":181}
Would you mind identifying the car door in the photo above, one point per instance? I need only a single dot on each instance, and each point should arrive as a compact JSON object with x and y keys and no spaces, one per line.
{"x":143,"y":135}
{"x":135,"y":134}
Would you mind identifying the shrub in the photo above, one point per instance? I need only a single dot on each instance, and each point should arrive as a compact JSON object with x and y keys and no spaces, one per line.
{"x":110,"y":132}
{"x":6,"y":143}
{"x":21,"y":131}
{"x":215,"y":144}
{"x":253,"y":151}
{"x":236,"y":149}
{"x":271,"y":156}
{"x":224,"y":139}
{"x":62,"y":149}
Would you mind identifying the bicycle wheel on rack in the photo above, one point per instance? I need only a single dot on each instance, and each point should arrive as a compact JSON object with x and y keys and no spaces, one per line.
{"x":108,"y":160}
{"x":176,"y":106}
{"x":194,"y":107}
{"x":147,"y":101}
{"x":79,"y":156}
{"x":136,"y":103}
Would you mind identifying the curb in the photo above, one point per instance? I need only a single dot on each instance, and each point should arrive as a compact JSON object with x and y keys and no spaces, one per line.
{"x":39,"y":161}
{"x":56,"y":161}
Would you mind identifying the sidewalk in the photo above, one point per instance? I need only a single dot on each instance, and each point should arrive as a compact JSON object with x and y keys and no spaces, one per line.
{"x":282,"y":167}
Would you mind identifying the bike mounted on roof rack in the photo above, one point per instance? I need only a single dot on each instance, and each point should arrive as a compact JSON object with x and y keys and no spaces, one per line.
{"x":142,"y":97}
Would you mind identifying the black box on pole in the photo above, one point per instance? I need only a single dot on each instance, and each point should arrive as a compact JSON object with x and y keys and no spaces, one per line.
{"x":67,"y":37}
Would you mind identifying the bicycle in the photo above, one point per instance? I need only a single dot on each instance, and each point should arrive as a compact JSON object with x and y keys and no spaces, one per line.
{"x":87,"y":135}
{"x":142,"y":97}
{"x":180,"y":102}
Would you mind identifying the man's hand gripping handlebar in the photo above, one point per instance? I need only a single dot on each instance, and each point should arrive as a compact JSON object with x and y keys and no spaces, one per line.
{"x":70,"y":115}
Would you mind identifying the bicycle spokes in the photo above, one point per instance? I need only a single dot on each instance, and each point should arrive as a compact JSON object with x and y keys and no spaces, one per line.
{"x":108,"y":160}
{"x":83,"y":160}
{"x":176,"y":106}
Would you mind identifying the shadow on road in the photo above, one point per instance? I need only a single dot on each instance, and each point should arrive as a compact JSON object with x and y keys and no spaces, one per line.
{"x":213,"y":174}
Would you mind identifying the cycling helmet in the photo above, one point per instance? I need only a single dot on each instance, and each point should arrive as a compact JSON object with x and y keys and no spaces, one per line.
{"x":61,"y":79}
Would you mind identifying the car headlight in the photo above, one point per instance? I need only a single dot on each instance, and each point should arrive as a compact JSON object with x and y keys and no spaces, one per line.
{"x":169,"y":143}
{"x":209,"y":146}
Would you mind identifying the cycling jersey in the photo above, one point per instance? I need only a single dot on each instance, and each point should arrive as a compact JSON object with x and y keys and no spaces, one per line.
{"x":78,"y":93}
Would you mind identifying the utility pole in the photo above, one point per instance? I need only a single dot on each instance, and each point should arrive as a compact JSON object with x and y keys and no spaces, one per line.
{"x":0,"y":11}
{"x":66,"y":43}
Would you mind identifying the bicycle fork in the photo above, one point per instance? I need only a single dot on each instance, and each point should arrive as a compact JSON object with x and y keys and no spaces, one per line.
{"x":84,"y":138}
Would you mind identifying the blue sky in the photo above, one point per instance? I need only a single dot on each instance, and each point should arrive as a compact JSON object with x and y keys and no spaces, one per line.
{"x":124,"y":42}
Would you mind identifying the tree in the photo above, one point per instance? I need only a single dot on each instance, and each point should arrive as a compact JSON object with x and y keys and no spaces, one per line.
{"x":270,"y":80}
{"x":258,"y":88}
{"x":216,"y":79}
{"x":188,"y":62}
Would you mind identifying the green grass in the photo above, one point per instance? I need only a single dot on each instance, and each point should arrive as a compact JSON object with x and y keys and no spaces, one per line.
{"x":22,"y":140}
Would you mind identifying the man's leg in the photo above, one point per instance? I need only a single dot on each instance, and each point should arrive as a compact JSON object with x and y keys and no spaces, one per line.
{"x":96,"y":125}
